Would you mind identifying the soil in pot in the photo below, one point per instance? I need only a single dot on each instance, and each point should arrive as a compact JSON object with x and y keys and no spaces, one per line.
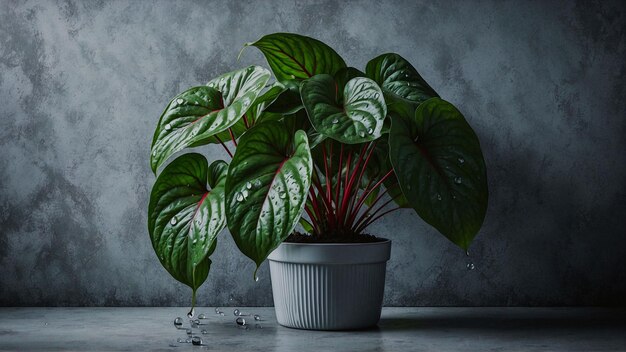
{"x":298,"y":237}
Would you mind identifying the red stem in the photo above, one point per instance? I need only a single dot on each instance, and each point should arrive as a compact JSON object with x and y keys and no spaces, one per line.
{"x":245,"y":121}
{"x":232,"y":136}
{"x":224,"y":145}
{"x":368,"y":223}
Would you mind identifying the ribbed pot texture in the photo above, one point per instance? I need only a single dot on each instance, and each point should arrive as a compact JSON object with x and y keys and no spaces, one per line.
{"x":329,"y":286}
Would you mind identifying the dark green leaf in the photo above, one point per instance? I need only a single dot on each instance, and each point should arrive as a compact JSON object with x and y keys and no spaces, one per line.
{"x":293,"y":56}
{"x":185,"y":217}
{"x":437,"y":158}
{"x":193,"y":117}
{"x":268,"y":180}
{"x":396,"y":75}
{"x":289,"y":101}
{"x":357,"y":119}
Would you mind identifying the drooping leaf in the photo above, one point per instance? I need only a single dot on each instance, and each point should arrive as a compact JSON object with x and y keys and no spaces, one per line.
{"x":293,"y":56}
{"x":185,"y":216}
{"x":439,"y":164}
{"x":268,"y":180}
{"x":396,"y":75}
{"x":357,"y":118}
{"x":193,"y":117}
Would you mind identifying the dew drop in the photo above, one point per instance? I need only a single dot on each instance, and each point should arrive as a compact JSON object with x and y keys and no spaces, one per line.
{"x":471,"y":266}
{"x":458,"y":180}
{"x":245,"y":193}
{"x":248,"y":185}
{"x":370,"y":131}
{"x":257,"y":317}
{"x":168,"y":127}
{"x":179,"y":101}
{"x":194,"y":241}
{"x":461,"y":160}
{"x":236,"y":312}
{"x":376,"y":96}
{"x":173,"y":221}
{"x":191,"y":313}
{"x":240,"y":321}
{"x":239,"y":197}
{"x":438,"y":196}
{"x":196,"y":341}
{"x":362,"y":134}
{"x":154,"y":153}
{"x":178,"y":323}
{"x":201,"y":316}
{"x":282,"y":195}
{"x":335,"y":120}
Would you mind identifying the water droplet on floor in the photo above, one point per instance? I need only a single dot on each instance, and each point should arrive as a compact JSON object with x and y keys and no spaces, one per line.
{"x":248,"y":185}
{"x":189,"y":332}
{"x":217,"y":310}
{"x":438,"y":196}
{"x":178,"y":323}
{"x":258,"y":326}
{"x":236,"y":312}
{"x":204,"y":332}
{"x":240,"y":321}
{"x":196,"y":341}
{"x":168,"y":127}
{"x":471,"y":266}
{"x":458,"y":180}
{"x":239,"y":197}
{"x":191,"y":313}
{"x":461,"y":160}
{"x":222,"y":313}
{"x":173,"y":221}
{"x":179,"y":101}
{"x":257,"y":317}
{"x":201,"y":316}
{"x":193,"y":324}
{"x":181,"y":340}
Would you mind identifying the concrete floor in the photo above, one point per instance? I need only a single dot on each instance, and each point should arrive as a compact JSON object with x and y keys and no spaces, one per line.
{"x":400,"y":329}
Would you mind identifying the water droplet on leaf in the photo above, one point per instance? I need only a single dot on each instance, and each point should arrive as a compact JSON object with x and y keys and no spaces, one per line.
{"x":370,"y":131}
{"x":458,"y":180}
{"x":168,"y":127}
{"x":173,"y":221}
{"x":239,"y":197}
{"x":335,"y":120}
{"x":248,"y":185}
{"x":179,"y":101}
{"x":362,"y":134}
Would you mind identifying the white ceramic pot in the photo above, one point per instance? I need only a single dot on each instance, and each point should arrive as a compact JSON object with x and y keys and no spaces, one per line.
{"x":329,"y":286}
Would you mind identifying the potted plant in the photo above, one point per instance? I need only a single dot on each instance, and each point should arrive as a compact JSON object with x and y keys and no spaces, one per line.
{"x":326,"y":146}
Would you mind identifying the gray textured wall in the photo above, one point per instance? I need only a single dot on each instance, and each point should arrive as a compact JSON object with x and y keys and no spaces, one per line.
{"x":82,"y":85}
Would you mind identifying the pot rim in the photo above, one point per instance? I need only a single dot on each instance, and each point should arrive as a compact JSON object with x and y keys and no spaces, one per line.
{"x":332,"y":253}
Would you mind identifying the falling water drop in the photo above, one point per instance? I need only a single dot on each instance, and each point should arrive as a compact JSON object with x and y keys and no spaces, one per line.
{"x":240,"y":321}
{"x":191,"y":313}
{"x":178,"y":323}
{"x":470,"y":266}
{"x":467,"y":252}
{"x":458,"y":180}
{"x":173,"y":221}
{"x":256,"y":278}
{"x":196,"y":341}
{"x":257,"y":317}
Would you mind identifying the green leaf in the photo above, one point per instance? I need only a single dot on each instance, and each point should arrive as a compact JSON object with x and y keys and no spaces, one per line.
{"x":396,"y":75}
{"x":289,"y":101}
{"x":343,"y":76}
{"x":293,"y":56}
{"x":358,"y":118}
{"x":193,"y":117}
{"x":185,"y":216}
{"x":268,"y":180}
{"x":437,"y":158}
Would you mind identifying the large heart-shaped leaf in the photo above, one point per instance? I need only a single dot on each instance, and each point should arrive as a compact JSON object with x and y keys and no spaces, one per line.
{"x":437,"y":159}
{"x":358,"y":118}
{"x":293,"y":56}
{"x":185,"y":216}
{"x":396,"y":75}
{"x":289,"y":101}
{"x":194,"y":116}
{"x":268,"y":180}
